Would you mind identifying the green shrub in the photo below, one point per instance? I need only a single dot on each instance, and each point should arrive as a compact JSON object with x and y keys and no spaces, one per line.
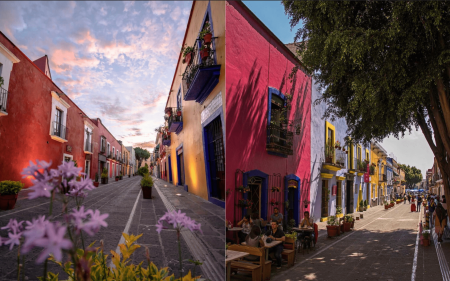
{"x":10,"y":187}
{"x":147,"y":181}
{"x":104,"y":173}
{"x":142,"y":171}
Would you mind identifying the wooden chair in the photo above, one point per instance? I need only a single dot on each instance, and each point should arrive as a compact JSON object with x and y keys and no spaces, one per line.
{"x":287,"y":254}
{"x":258,"y":268}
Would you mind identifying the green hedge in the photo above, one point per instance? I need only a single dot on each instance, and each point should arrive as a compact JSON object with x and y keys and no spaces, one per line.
{"x":10,"y":187}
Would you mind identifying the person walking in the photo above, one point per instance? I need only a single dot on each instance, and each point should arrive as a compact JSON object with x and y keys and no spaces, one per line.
{"x":440,"y":221}
{"x":419,"y":202}
{"x":404,"y":198}
{"x":431,"y":208}
{"x":409,"y":198}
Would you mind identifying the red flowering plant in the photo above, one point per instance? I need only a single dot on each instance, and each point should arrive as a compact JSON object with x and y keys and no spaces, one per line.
{"x":273,"y":202}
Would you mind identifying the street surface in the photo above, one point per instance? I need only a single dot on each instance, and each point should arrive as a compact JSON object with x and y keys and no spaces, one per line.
{"x":118,"y":199}
{"x":383,"y":247}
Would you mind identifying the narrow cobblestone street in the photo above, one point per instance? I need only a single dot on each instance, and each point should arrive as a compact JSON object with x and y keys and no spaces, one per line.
{"x":382,"y":247}
{"x":118,"y":198}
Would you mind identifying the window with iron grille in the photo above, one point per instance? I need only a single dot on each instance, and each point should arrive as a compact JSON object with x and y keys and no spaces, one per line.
{"x":216,"y":158}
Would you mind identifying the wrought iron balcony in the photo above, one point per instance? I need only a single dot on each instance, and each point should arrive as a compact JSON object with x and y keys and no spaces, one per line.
{"x":166,"y":140}
{"x":59,"y":130}
{"x":382,"y":178}
{"x":361,"y":165}
{"x":3,"y":101}
{"x":279,"y":140}
{"x":174,"y":119}
{"x":202,"y":72}
{"x":334,"y":156}
{"x":102,"y":148}
{"x":109,"y":155}
{"x":88,"y":147}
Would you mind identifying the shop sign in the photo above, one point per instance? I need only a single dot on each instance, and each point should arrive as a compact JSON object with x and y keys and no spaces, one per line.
{"x":334,"y":189}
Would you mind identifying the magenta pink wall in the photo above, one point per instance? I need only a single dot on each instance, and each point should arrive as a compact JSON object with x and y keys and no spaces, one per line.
{"x":254,"y":62}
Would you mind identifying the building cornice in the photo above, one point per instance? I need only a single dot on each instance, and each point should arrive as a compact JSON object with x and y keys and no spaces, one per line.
{"x":7,"y":53}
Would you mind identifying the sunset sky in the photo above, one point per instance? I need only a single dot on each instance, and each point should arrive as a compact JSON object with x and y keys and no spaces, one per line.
{"x":115,"y":60}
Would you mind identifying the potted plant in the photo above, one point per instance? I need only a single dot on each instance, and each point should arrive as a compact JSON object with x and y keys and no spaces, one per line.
{"x":365,"y":205}
{"x":96,"y":183}
{"x":104,"y":176}
{"x":187,"y":54}
{"x":348,"y":222}
{"x":361,"y":206}
{"x":206,"y":34}
{"x":426,"y":237}
{"x":204,"y":52}
{"x":120,"y":176}
{"x":332,"y":226}
{"x":337,"y":145}
{"x":117,"y":178}
{"x":9,"y":191}
{"x":147,"y":186}
{"x":306,"y":203}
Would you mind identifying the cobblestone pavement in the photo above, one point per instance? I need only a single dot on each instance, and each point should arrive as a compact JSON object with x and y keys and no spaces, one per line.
{"x":382,"y":247}
{"x":118,"y":199}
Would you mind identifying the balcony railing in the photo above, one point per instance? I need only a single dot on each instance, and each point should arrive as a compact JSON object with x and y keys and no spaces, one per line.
{"x":109,"y":155}
{"x":202,"y":72}
{"x":382,"y":178}
{"x":175,"y":119}
{"x":3,"y":100}
{"x":334,"y":156}
{"x":88,"y":146}
{"x":59,"y":130}
{"x":279,"y":140}
{"x":102,"y":149}
{"x":361,"y":165}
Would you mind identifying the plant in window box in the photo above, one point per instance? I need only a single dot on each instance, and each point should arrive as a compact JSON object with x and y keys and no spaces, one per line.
{"x":9,"y":191}
{"x":204,"y":52}
{"x":188,"y":54}
{"x":206,"y":34}
{"x":275,"y":189}
{"x":337,"y":145}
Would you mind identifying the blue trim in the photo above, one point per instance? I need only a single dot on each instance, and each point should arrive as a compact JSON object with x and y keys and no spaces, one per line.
{"x":273,"y":91}
{"x":178,"y":151}
{"x":264,"y":188}
{"x":296,"y":194}
{"x":179,"y":99}
{"x":186,"y":188}
{"x":170,"y":169}
{"x":208,"y":12}
{"x":215,"y":114}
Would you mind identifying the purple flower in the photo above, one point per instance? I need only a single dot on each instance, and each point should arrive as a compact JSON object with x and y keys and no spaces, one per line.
{"x":14,"y":239}
{"x":34,"y":230}
{"x":68,"y":170}
{"x":41,"y":188}
{"x":77,"y":188}
{"x":53,"y":242}
{"x":33,"y":169}
{"x":178,"y":220}
{"x":14,"y":226}
{"x":93,"y":225}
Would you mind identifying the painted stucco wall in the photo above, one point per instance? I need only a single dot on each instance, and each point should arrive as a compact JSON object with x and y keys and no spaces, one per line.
{"x":190,"y":137}
{"x":255,"y":62}
{"x":6,"y":66}
{"x":103,"y":131}
{"x":24,"y":132}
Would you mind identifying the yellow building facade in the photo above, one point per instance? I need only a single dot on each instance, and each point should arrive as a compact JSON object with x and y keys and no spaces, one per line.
{"x":195,"y":112}
{"x":379,"y":178}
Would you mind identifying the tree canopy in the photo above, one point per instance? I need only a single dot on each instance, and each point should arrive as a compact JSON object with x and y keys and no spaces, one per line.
{"x":412,"y":175}
{"x":384,"y":66}
{"x":141,"y":155}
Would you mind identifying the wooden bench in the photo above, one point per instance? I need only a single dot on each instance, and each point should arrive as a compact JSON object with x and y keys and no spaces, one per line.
{"x":260,"y":269}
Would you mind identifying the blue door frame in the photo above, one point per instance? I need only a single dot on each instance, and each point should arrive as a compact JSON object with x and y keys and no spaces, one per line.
{"x":264,"y":187}
{"x":170,"y":169}
{"x":296,"y":196}
{"x":179,"y":172}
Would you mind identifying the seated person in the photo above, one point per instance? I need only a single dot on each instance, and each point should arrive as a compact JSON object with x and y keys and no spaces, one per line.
{"x":276,"y":234}
{"x":277,"y":216}
{"x":254,"y":240}
{"x":256,"y":220}
{"x":246,"y":228}
{"x":306,"y":222}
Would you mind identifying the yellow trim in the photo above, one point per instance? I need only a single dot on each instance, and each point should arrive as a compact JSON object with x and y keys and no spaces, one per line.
{"x":326,"y":175}
{"x":351,"y":172}
{"x":328,"y":125}
{"x":340,"y":216}
{"x":340,"y":178}
{"x":368,"y":206}
{"x":367,"y":155}
{"x":331,"y":168}
{"x":358,"y":147}
{"x":360,"y":174}
{"x":323,"y":219}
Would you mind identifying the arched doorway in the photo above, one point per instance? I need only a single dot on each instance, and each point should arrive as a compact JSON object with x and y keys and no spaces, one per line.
{"x":292,"y":198}
{"x":257,"y":181}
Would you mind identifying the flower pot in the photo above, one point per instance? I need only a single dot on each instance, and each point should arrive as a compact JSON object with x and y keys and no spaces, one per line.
{"x":117,"y":178}
{"x":386,"y":207}
{"x":7,"y":202}
{"x":120,"y":177}
{"x":426,"y":242}
{"x":147,"y":192}
{"x":96,"y":183}
{"x":104,"y":180}
{"x":332,"y":230}
{"x":347,"y":226}
{"x":207,"y":38}
{"x":204,"y":54}
{"x":188,"y":58}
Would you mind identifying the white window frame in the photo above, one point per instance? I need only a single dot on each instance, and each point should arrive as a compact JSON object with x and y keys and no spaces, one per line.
{"x":58,"y":103}
{"x":67,"y":155}
{"x":88,"y":127}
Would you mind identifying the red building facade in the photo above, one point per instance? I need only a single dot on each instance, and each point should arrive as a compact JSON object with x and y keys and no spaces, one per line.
{"x":269,"y":163}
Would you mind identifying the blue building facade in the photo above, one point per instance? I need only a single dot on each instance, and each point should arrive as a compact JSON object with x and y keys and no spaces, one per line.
{"x":390,"y":177}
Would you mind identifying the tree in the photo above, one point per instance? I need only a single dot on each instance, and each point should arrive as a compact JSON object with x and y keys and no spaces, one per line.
{"x":141,"y":155}
{"x":384,"y":66}
{"x":412,"y":175}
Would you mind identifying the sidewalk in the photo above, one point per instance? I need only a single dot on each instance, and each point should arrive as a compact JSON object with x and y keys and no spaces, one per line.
{"x":209,"y":248}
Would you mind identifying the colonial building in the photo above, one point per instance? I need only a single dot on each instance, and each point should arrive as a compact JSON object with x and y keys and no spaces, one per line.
{"x":379,"y":157}
{"x":192,"y":148}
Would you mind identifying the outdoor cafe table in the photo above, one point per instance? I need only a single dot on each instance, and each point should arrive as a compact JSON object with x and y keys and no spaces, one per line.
{"x":235,"y":230}
{"x":268,"y":246}
{"x":231,"y":256}
{"x":302,"y":230}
